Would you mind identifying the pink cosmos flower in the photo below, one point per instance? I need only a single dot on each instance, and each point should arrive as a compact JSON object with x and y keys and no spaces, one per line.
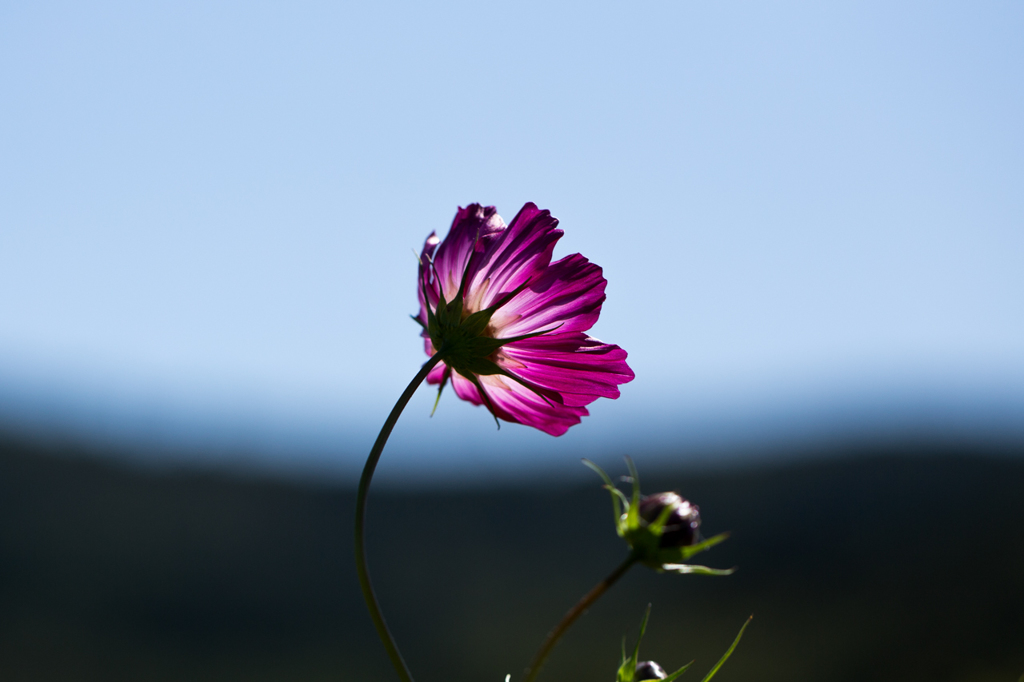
{"x":510,"y":324}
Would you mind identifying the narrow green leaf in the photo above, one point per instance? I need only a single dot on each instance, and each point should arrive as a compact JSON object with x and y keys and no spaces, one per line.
{"x":431,"y":318}
{"x":478,"y":366}
{"x":624,"y":673}
{"x":485,"y":345}
{"x":727,"y":653}
{"x":643,"y":631}
{"x":444,"y":382}
{"x":609,"y":486}
{"x":508,"y":297}
{"x":476,"y":323}
{"x":657,"y":527}
{"x":620,"y":520}
{"x":486,"y":398}
{"x":442,"y":305}
{"x":597,"y":470}
{"x":522,"y":382}
{"x":703,"y":545}
{"x":678,"y":673}
{"x":627,"y":671}
{"x":465,"y":273}
{"x":455,"y":310}
{"x":633,"y":516}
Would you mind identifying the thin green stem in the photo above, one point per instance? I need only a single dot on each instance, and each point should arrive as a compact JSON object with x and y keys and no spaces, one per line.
{"x":575,"y":612}
{"x":364,"y":488}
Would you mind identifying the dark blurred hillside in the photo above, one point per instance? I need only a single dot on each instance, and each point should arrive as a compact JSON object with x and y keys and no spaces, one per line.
{"x":894,"y":564}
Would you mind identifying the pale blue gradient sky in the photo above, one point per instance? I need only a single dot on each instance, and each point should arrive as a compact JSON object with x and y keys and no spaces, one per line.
{"x":208,"y":213}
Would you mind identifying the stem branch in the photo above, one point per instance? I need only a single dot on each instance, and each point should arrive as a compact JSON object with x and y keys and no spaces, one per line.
{"x":360,"y":544}
{"x":575,"y":612}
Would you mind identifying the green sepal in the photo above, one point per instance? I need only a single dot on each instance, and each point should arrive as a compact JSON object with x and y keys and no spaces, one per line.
{"x":728,"y":653}
{"x":676,"y":555}
{"x":479,"y":366}
{"x":658,"y":525}
{"x":486,"y":398}
{"x":678,"y":673}
{"x":433,"y":330}
{"x":506,"y":298}
{"x":633,"y":514}
{"x":484,"y":346}
{"x":444,"y":382}
{"x":441,"y":312}
{"x":627,"y":671}
{"x":690,"y":550}
{"x":455,"y":310}
{"x":618,"y":499}
{"x":476,"y":323}
{"x":643,"y":630}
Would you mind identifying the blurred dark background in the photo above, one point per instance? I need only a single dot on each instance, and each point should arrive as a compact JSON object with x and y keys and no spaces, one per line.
{"x":898,"y":560}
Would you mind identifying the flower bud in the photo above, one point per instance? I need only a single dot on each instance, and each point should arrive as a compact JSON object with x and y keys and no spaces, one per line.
{"x":662,"y":530}
{"x":649,"y":670}
{"x":682,"y":528}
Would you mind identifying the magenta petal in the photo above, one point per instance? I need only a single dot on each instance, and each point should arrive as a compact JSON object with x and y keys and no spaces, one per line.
{"x":465,"y":389}
{"x":567,"y":295}
{"x":516,"y":255}
{"x":473,"y":227}
{"x":437,"y":374}
{"x":515,"y":403}
{"x":578,"y":367}
{"x":424,"y":278}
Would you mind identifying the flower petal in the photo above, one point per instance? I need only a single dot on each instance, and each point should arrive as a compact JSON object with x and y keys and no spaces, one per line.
{"x":514,"y":257}
{"x":472,"y":228}
{"x":465,"y":389}
{"x":567,"y":295}
{"x":580,"y":368}
{"x":516,"y":403}
{"x":437,"y":374}
{"x":424,"y":281}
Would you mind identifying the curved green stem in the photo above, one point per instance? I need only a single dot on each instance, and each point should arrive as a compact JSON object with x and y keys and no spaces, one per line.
{"x":364,"y":488}
{"x":575,"y":612}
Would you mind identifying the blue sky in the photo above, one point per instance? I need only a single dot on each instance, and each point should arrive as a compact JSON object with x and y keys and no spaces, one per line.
{"x":809,"y":214}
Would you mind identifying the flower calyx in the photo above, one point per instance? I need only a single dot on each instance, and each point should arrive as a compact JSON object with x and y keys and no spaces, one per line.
{"x":635,"y":670}
{"x":462,"y":338}
{"x":662,"y":530}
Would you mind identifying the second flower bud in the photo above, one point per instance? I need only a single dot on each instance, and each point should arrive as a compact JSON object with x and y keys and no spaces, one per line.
{"x":682,"y":526}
